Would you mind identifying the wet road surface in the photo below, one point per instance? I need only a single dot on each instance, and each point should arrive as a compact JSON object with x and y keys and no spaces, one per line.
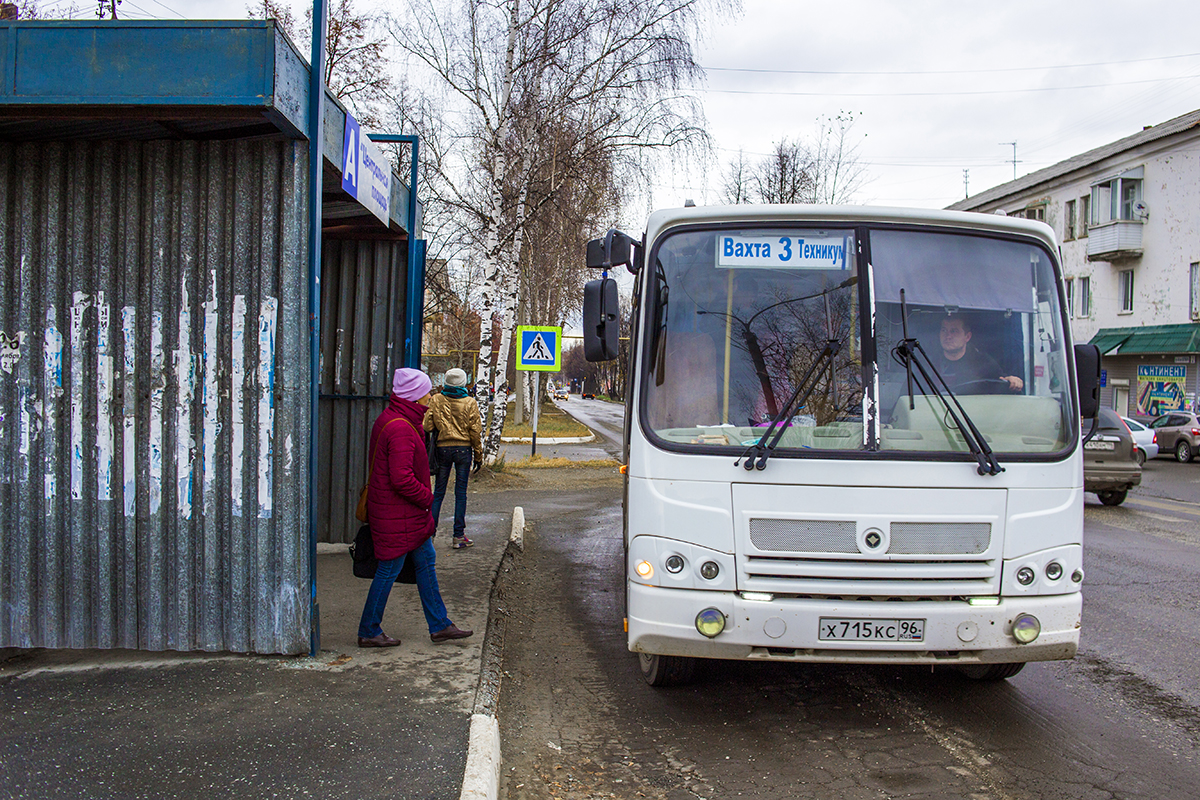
{"x":1120,"y":721}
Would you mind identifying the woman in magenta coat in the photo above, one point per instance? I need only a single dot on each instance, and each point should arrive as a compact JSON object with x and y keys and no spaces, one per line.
{"x":398,"y":502}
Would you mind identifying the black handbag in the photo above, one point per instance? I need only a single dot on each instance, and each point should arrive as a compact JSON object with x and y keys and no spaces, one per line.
{"x":362,"y":554}
{"x":431,"y":447}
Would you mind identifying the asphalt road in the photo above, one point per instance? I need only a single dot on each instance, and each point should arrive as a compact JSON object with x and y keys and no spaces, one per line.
{"x":1122,"y":720}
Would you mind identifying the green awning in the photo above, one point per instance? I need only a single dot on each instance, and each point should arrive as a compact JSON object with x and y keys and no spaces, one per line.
{"x":1148,"y":340}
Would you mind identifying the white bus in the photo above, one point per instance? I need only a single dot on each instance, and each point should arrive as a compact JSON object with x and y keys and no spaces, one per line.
{"x":852,"y":435}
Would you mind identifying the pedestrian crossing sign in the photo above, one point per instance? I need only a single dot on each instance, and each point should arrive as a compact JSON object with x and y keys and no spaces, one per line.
{"x":539,"y":348}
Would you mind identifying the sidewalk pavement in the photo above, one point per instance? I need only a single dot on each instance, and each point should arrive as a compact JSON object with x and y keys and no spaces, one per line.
{"x":349,"y":723}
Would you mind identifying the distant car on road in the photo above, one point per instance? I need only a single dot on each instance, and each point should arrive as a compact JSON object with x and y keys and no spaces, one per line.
{"x":1179,"y":433}
{"x":587,"y":396}
{"x":561,"y":394}
{"x":1110,"y":463}
{"x":1145,"y":439}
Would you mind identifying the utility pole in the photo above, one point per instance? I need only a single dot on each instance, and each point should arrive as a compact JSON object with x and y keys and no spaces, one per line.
{"x":966,"y":183}
{"x":1014,"y":158}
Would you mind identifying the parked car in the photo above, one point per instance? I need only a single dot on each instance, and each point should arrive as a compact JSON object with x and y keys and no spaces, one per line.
{"x":1110,"y":464}
{"x":1179,"y":433}
{"x":1145,"y":439}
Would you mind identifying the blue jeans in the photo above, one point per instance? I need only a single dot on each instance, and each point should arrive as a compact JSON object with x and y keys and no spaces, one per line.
{"x":427,"y":587}
{"x":460,"y":459}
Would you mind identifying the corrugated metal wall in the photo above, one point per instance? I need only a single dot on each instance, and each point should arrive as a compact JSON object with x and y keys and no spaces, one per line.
{"x":154,"y":411}
{"x":362,"y":325}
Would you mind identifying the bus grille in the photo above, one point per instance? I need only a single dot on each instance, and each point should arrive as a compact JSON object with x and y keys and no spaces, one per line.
{"x":838,"y":536}
{"x":822,"y":558}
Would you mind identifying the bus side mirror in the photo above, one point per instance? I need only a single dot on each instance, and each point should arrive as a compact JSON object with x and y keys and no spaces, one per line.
{"x":601,"y":315}
{"x":613,"y":250}
{"x":1087,"y":379}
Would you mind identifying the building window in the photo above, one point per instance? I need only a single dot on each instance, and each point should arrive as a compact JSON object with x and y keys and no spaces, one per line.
{"x":1085,"y":297}
{"x":1117,"y":198}
{"x":1032,"y":212}
{"x":1126,"y":291}
{"x":1084,"y":205}
{"x":1069,"y":222}
{"x":1070,"y":286}
{"x":1194,"y":291}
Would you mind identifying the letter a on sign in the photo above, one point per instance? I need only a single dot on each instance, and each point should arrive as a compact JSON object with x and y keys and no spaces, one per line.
{"x":350,"y":157}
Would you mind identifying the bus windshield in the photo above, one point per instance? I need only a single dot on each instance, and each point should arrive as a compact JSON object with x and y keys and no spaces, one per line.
{"x":739,"y":317}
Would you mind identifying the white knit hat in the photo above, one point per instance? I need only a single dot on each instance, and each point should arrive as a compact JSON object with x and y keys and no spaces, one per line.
{"x":456,"y":377}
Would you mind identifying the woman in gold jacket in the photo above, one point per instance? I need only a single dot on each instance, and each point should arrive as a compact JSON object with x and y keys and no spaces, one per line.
{"x":455,"y":414}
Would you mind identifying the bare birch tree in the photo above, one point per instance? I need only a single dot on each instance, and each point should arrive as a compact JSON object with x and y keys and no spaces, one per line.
{"x":785,"y":176}
{"x":827,"y":171}
{"x":607,"y":74}
{"x":837,"y":174}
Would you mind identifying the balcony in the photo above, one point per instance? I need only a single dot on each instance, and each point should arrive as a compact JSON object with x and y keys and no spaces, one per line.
{"x":1115,"y":240}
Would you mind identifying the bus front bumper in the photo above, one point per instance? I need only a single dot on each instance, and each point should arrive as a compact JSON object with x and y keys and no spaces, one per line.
{"x":663,"y":622}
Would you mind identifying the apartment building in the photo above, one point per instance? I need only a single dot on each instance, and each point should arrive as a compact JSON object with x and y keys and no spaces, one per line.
{"x":1128,"y":217}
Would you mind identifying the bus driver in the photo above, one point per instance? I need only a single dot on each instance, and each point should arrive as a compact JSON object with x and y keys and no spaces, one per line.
{"x":960,"y":364}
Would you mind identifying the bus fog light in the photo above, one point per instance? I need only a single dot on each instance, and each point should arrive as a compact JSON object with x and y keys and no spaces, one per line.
{"x":1077,"y":576}
{"x":1054,"y":570}
{"x":710,"y":622}
{"x":644,"y":569}
{"x":674,"y":564}
{"x":1026,"y":628}
{"x":1025,"y":576}
{"x":709,"y":570}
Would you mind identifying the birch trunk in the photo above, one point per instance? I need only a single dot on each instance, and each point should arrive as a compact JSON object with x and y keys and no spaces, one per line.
{"x":493,"y":269}
{"x":508,"y":317}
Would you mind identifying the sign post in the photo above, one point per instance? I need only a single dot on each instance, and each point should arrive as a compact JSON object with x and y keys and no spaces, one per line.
{"x":539,"y":349}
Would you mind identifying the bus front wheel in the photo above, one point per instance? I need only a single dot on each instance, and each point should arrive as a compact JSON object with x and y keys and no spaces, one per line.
{"x":991,"y":672}
{"x":667,"y":670}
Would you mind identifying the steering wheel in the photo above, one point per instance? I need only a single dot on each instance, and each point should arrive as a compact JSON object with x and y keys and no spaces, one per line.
{"x":983,"y":386}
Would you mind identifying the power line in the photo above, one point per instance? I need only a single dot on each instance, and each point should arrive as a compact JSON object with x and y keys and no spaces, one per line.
{"x":947,"y":71}
{"x":941,"y":94}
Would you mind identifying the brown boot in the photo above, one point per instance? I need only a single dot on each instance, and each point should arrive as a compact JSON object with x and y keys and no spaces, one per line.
{"x":446,"y":634}
{"x":382,"y":640}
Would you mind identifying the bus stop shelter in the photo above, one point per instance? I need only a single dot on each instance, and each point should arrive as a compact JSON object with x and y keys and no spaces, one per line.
{"x":157,"y":336}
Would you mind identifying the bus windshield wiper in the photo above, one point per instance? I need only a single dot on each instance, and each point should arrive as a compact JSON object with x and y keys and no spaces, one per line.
{"x":756,"y":455}
{"x":910,"y":353}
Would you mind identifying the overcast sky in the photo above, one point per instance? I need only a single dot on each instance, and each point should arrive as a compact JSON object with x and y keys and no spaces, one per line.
{"x":937,"y":87}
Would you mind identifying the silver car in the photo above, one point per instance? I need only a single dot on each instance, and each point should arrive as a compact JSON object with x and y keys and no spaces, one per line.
{"x":1144,"y":439}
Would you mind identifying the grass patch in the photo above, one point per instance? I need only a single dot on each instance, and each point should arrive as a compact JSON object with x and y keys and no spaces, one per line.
{"x":539,"y":462}
{"x":552,"y":423}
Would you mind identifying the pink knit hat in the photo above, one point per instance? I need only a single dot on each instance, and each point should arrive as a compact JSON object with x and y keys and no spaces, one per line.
{"x":411,"y":384}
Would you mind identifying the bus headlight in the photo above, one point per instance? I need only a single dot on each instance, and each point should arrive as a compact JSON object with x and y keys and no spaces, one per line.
{"x":1025,"y":576}
{"x":644,"y":569}
{"x":710,"y":622}
{"x":1054,"y":570}
{"x":710,"y":570}
{"x":674,"y":564}
{"x":1026,"y":628}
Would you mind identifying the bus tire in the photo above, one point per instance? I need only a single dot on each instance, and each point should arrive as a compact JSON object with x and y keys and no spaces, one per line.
{"x":991,"y":672}
{"x":667,"y":670}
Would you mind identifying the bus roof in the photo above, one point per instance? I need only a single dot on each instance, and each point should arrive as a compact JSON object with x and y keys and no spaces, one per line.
{"x":671,"y":217}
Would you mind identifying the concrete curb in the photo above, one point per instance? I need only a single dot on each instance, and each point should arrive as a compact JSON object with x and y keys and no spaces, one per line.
{"x":558,"y":440}
{"x":481,"y":776}
{"x":481,"y":779}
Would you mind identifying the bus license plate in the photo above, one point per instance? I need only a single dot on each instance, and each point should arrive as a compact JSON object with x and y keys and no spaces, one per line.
{"x":871,"y":630}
